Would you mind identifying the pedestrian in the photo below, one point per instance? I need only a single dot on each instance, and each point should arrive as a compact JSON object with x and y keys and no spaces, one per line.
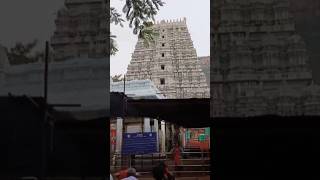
{"x":176,"y":154}
{"x":123,"y":173}
{"x":167,"y":174}
{"x":158,"y":171}
{"x":161,"y":172}
{"x":132,"y":174}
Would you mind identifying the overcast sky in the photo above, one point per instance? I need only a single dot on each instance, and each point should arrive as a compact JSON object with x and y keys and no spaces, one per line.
{"x":25,"y":20}
{"x":197,"y":13}
{"x":34,"y":19}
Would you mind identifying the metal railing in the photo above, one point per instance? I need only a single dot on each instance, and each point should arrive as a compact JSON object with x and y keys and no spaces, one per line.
{"x":195,"y":162}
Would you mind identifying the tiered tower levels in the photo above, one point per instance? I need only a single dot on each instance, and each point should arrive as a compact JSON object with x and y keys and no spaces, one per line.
{"x":81,"y":30}
{"x":261,"y":64}
{"x":171,"y":62}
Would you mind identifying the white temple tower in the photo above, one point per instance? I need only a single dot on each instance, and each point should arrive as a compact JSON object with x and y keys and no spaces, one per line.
{"x":171,"y":62}
{"x":261,"y":64}
{"x":81,"y":30}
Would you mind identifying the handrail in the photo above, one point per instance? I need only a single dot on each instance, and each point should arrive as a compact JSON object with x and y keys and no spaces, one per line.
{"x":196,"y":160}
{"x":186,"y":165}
{"x":202,"y":152}
{"x":148,"y":172}
{"x":190,"y":165}
{"x":169,"y":159}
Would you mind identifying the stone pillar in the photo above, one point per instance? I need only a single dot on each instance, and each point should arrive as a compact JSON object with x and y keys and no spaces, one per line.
{"x":209,"y":137}
{"x":168,"y":136}
{"x":119,"y":135}
{"x":156,"y":129}
{"x":183,"y":137}
{"x":176,"y":136}
{"x":163,"y":137}
{"x":146,"y":125}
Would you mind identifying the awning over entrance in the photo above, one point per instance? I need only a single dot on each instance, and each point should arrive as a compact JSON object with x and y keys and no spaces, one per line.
{"x":185,"y":112}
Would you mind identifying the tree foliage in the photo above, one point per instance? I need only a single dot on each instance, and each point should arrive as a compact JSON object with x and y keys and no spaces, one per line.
{"x":115,"y":17}
{"x":140,"y":11}
{"x":22,"y":53}
{"x":140,"y":15}
{"x":113,"y":45}
{"x":117,"y":78}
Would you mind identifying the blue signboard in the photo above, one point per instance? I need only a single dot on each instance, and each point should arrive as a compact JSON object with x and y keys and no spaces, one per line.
{"x":139,"y":143}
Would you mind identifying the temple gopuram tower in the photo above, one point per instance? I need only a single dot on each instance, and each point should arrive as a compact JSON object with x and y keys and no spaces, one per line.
{"x":171,"y":62}
{"x":261,"y":63}
{"x":81,"y":30}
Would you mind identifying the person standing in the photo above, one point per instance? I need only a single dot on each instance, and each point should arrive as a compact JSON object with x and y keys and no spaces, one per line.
{"x":176,"y":154}
{"x":123,"y":173}
{"x":132,"y":174}
{"x":161,"y":172}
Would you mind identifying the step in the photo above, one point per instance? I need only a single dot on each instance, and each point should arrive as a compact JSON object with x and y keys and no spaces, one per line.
{"x":190,"y":161}
{"x":172,"y":168}
{"x":204,"y":167}
{"x":180,"y":174}
{"x":185,"y":166}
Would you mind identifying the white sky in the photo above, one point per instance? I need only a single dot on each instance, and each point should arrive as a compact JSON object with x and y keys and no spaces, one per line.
{"x":197,"y":13}
{"x":24,"y":21}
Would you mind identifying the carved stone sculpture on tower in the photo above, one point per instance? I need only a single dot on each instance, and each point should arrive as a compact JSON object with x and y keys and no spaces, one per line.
{"x":81,"y":30}
{"x":171,"y":62}
{"x":261,"y":64}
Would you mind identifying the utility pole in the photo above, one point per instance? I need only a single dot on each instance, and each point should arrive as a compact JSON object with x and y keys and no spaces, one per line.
{"x":46,"y":72}
{"x":124,"y":84}
{"x":45,"y":108}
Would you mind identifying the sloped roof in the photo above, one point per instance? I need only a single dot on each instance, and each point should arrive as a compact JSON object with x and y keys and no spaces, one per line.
{"x":137,"y":89}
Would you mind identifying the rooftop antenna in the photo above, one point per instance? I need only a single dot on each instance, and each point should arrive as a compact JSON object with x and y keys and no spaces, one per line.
{"x":45,"y":109}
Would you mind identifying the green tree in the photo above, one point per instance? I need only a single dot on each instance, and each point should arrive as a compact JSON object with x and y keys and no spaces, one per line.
{"x":22,"y":53}
{"x":140,"y":15}
{"x":117,"y":78}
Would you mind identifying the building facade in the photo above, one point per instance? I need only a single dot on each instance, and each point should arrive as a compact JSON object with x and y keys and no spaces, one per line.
{"x":171,"y":62}
{"x":205,"y":66}
{"x":261,"y":64}
{"x":145,"y":89}
{"x":136,"y":89}
{"x":81,"y":30}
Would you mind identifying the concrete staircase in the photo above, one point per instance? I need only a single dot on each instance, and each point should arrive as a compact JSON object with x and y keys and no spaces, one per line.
{"x":195,"y":163}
